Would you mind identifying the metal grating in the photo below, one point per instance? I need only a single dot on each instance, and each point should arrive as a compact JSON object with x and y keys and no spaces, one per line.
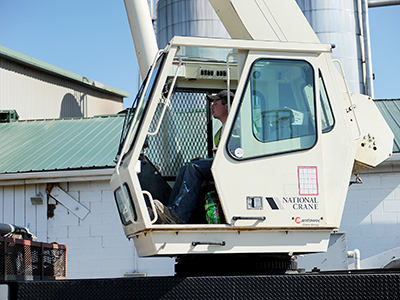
{"x":286,"y":287}
{"x":26,"y":260}
{"x":183,"y":132}
{"x":54,"y":263}
{"x":21,"y":261}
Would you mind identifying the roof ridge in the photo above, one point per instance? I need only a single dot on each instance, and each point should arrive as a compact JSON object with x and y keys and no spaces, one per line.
{"x":70,"y":118}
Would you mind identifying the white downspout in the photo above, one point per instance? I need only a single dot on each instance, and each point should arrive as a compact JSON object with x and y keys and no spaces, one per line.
{"x":361,"y":24}
{"x":379,"y":3}
{"x":368,"y":56}
{"x":143,"y":34}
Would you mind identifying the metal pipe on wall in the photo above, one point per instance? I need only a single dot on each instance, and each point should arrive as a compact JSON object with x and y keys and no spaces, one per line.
{"x":367,"y":45}
{"x":362,"y":41}
{"x":379,"y":3}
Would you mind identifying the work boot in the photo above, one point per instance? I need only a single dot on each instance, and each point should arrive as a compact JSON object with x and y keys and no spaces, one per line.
{"x":165,"y":215}
{"x":151,"y":215}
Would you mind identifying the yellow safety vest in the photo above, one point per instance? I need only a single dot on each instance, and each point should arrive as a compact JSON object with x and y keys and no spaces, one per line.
{"x":217,"y":136}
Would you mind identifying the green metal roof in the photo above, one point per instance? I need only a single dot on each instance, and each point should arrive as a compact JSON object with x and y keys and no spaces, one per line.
{"x":60,"y":144}
{"x":38,"y":64}
{"x":87,"y":143}
{"x":390,"y":110}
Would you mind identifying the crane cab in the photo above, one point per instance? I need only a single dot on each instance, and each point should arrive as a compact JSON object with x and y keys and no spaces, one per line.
{"x":285,"y":157}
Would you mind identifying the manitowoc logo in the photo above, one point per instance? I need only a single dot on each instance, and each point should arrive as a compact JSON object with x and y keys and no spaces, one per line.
{"x":307,"y":222}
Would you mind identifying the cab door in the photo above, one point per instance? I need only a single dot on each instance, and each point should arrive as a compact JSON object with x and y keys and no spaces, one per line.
{"x":269,"y":171}
{"x":129,"y":196}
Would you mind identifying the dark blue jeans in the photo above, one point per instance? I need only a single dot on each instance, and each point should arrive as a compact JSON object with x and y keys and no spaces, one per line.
{"x":183,"y":198}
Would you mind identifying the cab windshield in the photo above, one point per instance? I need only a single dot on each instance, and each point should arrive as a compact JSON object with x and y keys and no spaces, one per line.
{"x":135,"y":114}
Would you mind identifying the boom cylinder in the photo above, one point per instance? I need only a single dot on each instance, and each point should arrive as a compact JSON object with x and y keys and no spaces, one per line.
{"x":142,"y":32}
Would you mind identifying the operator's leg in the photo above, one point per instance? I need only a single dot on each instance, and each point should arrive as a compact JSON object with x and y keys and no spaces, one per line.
{"x":186,"y":194}
{"x":177,"y":185}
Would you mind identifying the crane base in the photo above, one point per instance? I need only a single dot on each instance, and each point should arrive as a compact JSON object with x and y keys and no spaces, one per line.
{"x":362,"y":284}
{"x":234,"y":264}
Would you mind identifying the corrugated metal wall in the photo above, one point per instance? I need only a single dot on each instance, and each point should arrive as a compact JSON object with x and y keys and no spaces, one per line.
{"x":39,"y":95}
{"x":16,"y":208}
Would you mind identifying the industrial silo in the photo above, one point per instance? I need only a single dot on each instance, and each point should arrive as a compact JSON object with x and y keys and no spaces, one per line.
{"x":344,"y":23}
{"x":189,"y":18}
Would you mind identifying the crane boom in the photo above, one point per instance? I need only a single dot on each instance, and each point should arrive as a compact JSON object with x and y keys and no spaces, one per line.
{"x":266,"y":20}
{"x":142,"y":32}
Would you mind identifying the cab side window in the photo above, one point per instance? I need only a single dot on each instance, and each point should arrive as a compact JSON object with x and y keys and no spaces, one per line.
{"x":327,"y":118}
{"x":277,"y":110}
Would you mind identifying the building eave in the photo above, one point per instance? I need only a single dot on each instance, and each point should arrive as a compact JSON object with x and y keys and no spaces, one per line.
{"x":55,"y":176}
{"x":48,"y":68}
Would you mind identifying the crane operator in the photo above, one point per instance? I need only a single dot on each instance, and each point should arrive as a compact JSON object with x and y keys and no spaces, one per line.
{"x":185,"y":192}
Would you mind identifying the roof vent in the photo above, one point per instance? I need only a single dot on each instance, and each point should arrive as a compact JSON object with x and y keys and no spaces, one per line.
{"x":7,"y":116}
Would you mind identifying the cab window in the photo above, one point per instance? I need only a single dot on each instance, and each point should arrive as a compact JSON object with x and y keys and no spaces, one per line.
{"x":277,"y":110}
{"x":126,"y":208}
{"x":327,"y":119}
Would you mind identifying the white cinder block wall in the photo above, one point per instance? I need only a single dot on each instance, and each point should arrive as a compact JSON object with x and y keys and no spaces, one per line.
{"x":97,"y":246}
{"x":371,"y":216}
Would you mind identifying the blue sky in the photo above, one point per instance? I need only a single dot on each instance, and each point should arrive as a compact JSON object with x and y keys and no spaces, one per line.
{"x":385,"y":44}
{"x":92,"y":38}
{"x":88,"y":37}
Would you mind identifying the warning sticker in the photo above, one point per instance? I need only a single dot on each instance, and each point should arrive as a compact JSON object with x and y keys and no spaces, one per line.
{"x":308,"y":180}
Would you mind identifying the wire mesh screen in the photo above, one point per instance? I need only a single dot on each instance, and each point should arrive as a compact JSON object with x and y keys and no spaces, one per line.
{"x":22,"y":260}
{"x":54,"y":263}
{"x":26,"y":260}
{"x":183,"y":132}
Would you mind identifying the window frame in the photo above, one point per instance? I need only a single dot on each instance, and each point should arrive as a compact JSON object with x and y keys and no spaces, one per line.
{"x":237,"y":112}
{"x":135,"y":123}
{"x":129,"y":203}
{"x":330,"y":128}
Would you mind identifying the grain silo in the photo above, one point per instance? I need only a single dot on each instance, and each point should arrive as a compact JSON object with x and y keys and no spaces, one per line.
{"x":189,"y":18}
{"x":342,"y":23}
